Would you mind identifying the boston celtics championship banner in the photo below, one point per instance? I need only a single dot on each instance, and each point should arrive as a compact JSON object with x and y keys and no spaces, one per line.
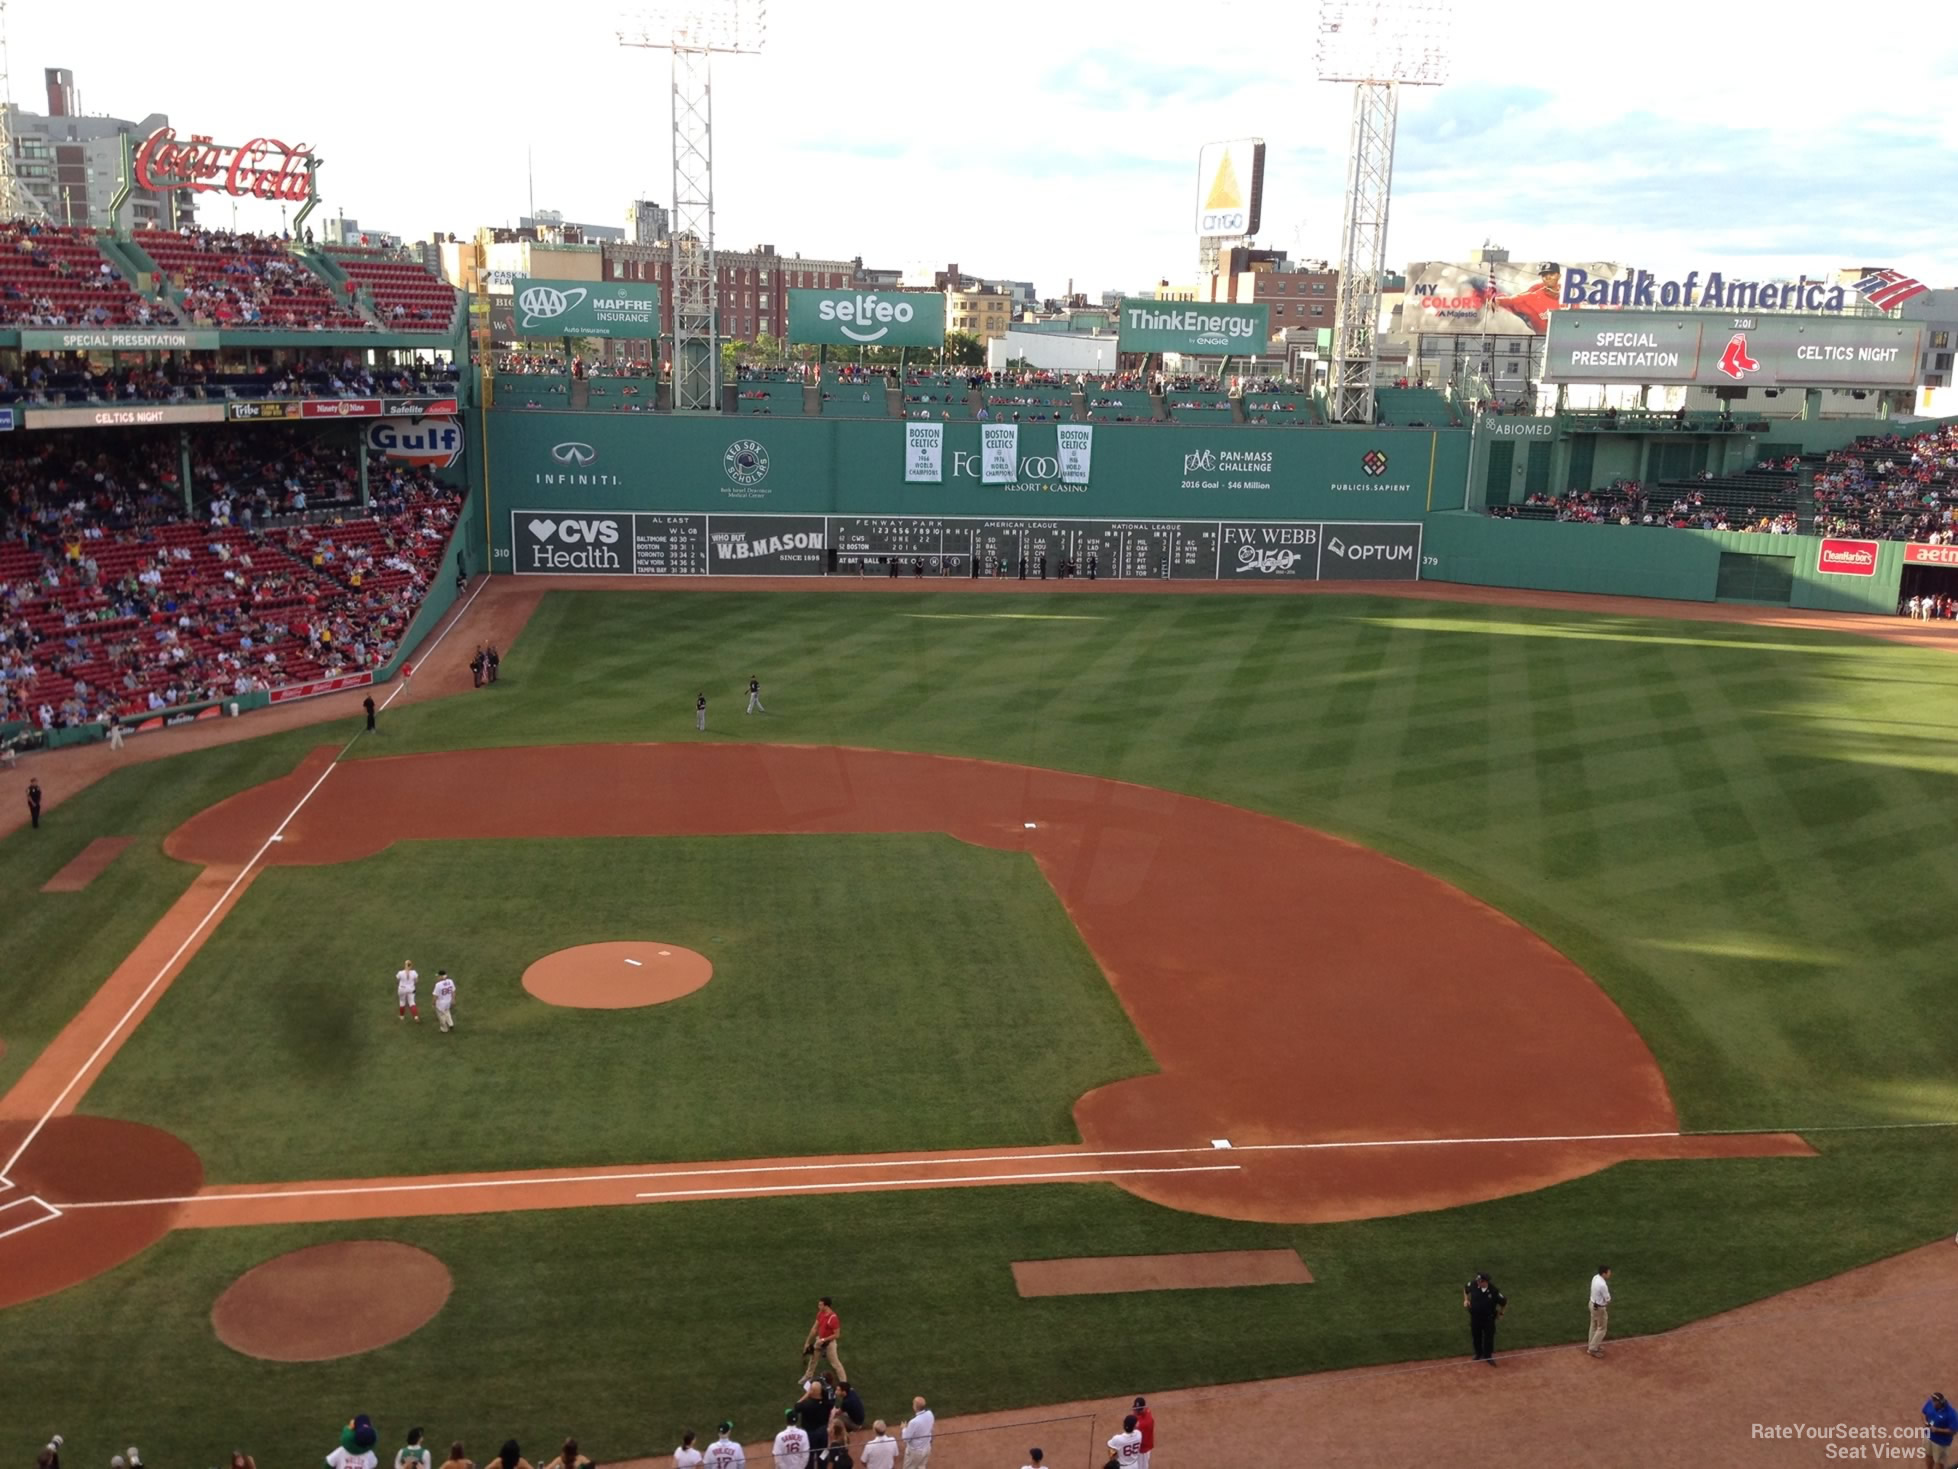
{"x":1194,"y":328}
{"x":1077,"y":442}
{"x":868,"y":318}
{"x":924,"y":453}
{"x":551,"y":308}
{"x":999,"y":453}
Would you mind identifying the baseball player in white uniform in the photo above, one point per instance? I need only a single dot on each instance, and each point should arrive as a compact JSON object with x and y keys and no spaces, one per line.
{"x":445,"y":1000}
{"x":754,"y":696}
{"x":724,"y":1452}
{"x":405,"y":980}
{"x":792,"y":1447}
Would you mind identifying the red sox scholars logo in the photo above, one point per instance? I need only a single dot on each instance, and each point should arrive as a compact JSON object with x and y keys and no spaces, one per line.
{"x":1734,"y":361}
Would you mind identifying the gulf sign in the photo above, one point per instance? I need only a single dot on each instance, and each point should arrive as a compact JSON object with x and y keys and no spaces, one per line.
{"x":432,"y":443}
{"x":1847,"y":558}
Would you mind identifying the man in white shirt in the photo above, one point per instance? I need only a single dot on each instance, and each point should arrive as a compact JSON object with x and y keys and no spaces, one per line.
{"x":1126,"y":1446}
{"x":881,"y":1451}
{"x":1600,"y":1309}
{"x":791,"y":1446}
{"x":445,"y":1001}
{"x":724,"y":1452}
{"x":686,"y":1456}
{"x":917,"y":1435}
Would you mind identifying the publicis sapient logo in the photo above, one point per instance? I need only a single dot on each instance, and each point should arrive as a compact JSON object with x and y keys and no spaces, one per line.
{"x":746,"y":462}
{"x":546,"y":303}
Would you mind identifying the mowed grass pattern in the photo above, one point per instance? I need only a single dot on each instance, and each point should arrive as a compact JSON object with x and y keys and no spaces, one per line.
{"x":870,"y":993}
{"x":1742,"y":833}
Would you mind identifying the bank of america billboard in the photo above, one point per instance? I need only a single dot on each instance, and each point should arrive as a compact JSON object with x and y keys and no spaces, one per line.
{"x":1720,"y":349}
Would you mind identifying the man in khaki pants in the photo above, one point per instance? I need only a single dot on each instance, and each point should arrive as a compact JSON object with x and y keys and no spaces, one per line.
{"x":1600,"y":1309}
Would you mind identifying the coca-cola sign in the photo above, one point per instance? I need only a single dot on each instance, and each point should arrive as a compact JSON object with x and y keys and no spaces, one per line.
{"x":263,"y":168}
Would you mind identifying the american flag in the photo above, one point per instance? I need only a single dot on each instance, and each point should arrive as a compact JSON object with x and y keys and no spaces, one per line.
{"x":1884,"y":289}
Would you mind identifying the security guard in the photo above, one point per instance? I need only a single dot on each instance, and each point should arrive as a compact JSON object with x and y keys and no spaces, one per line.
{"x":1484,"y":1304}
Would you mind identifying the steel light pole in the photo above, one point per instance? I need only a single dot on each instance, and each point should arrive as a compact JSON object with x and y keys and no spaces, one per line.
{"x":694,"y":32}
{"x":1379,"y":46}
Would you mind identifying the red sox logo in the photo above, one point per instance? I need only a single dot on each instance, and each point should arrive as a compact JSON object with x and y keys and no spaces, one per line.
{"x":1734,"y":361}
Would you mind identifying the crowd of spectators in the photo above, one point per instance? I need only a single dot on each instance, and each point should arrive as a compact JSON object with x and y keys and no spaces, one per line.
{"x":51,"y":276}
{"x":1891,"y":489}
{"x":57,"y":379}
{"x":116,"y":599}
{"x":1626,"y":502}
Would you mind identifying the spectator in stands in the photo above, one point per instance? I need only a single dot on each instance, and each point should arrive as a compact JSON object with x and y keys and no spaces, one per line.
{"x":569,"y":1457}
{"x":509,"y":1457}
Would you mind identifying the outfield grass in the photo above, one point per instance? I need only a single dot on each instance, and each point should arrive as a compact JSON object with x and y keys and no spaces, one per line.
{"x":1743,"y":834}
{"x":869,"y":993}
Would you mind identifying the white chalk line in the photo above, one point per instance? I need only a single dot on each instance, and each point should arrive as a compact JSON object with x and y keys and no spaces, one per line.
{"x":657,"y":1171}
{"x":48,"y":1216}
{"x":278,"y":834}
{"x":783,"y":1188}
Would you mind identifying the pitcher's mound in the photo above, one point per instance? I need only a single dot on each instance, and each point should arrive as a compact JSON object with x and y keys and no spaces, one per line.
{"x":330,"y":1301}
{"x":617,"y":976}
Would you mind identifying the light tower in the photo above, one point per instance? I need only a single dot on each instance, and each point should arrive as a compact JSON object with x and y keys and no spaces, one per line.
{"x":694,"y":32}
{"x":15,"y":200}
{"x":1379,"y":46}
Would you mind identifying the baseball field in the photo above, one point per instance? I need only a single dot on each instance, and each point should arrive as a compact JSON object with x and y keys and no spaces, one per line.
{"x":1415,"y":936}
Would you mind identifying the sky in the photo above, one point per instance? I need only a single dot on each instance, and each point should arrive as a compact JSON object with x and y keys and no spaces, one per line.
{"x":1056,"y":140}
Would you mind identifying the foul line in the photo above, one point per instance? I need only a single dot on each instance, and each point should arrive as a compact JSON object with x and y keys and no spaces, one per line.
{"x":782,"y":1188}
{"x":47,"y":1217}
{"x":401,"y":685}
{"x":149,"y":989}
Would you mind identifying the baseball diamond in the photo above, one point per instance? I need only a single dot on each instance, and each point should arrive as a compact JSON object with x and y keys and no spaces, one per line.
{"x":1318,"y":863}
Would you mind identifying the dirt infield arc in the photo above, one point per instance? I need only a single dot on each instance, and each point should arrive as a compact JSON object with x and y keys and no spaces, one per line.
{"x":1308,"y":1001}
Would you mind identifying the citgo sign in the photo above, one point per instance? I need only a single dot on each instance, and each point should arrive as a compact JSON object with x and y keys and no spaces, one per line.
{"x":1847,"y":558}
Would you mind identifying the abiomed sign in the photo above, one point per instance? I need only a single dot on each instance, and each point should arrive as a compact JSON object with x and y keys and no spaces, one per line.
{"x":1194,"y":328}
{"x":868,"y":318}
{"x":553,"y":308}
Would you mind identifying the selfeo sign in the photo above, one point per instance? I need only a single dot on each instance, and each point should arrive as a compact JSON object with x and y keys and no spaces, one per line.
{"x":868,"y":318}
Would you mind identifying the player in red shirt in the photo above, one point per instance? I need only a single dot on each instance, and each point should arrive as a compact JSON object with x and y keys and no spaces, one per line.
{"x":1145,"y":1424}
{"x":822,"y":1337}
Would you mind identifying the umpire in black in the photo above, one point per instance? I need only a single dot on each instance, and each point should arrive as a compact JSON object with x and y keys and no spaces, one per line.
{"x":1484,"y":1304}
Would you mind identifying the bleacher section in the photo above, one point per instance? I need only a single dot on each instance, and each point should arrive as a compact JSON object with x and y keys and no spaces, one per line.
{"x":1891,"y":489}
{"x":1293,"y":408}
{"x":406,"y":297}
{"x":1185,"y":406}
{"x":533,"y":390}
{"x":1033,"y":403}
{"x":855,"y":397}
{"x":621,"y":394}
{"x":1413,"y":408}
{"x":1119,"y":405}
{"x":56,"y":277}
{"x":939,"y":396}
{"x":774,"y":397}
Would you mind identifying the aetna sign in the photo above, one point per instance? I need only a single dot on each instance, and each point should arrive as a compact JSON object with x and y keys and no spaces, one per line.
{"x":1847,"y":558}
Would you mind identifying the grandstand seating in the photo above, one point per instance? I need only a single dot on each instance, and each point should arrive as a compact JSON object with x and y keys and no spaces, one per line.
{"x":406,"y":296}
{"x":112,"y":597}
{"x":1890,"y":488}
{"x":1293,"y":407}
{"x":1188,"y":406}
{"x":1030,"y":403}
{"x":244,"y":281}
{"x":54,"y":277}
{"x":1413,"y":407}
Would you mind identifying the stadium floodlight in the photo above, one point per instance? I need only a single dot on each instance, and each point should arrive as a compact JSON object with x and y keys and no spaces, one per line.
{"x":694,"y":32}
{"x":1379,"y":46}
